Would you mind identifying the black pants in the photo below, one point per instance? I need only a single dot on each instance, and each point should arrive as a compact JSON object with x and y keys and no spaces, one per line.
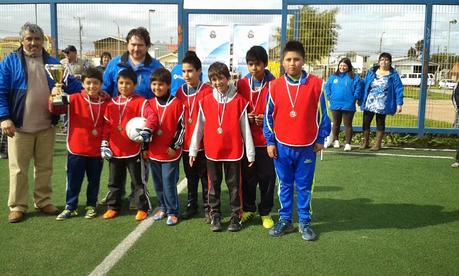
{"x":457,"y":153}
{"x":193,"y":175}
{"x":368,"y":117}
{"x":345,"y":117}
{"x":117,"y":178}
{"x":263,"y":175}
{"x":233,"y":182}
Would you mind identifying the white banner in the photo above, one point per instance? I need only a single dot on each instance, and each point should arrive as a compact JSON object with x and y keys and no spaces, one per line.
{"x":244,"y":37}
{"x":212,"y":44}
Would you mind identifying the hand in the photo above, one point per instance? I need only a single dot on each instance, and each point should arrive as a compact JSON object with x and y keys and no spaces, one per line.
{"x":259,"y":120}
{"x":144,"y":135}
{"x":251,"y":117}
{"x":318,"y":147}
{"x":399,"y":108}
{"x":191,"y":161}
{"x":171,"y":152}
{"x":105,"y":151}
{"x":272,"y":151}
{"x":8,"y":128}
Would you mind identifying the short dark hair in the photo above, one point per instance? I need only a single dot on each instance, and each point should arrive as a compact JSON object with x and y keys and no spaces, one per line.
{"x":91,"y":72}
{"x":218,"y":69}
{"x":128,"y":73}
{"x":140,"y":32}
{"x":350,"y":70}
{"x":294,"y":46}
{"x":105,"y":54}
{"x":192,"y":58}
{"x":161,"y":75}
{"x":257,"y":54}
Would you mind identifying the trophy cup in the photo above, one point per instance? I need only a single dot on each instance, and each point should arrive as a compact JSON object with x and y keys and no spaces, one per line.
{"x":58,"y":73}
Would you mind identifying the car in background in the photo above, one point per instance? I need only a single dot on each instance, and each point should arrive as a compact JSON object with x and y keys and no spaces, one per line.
{"x":414,"y":79}
{"x":447,"y":83}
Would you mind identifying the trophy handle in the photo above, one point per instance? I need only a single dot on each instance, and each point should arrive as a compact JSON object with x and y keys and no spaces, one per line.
{"x":66,"y":74}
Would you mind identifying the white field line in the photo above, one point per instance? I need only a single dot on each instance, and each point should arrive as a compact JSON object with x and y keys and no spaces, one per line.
{"x":392,"y":154}
{"x":119,"y":251}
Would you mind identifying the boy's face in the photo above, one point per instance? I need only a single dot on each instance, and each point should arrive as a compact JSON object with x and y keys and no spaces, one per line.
{"x":293,"y":63}
{"x":256,"y":69}
{"x":190,"y":74}
{"x":160,"y":88}
{"x":92,"y":86}
{"x":221,"y":83}
{"x":126,"y":86}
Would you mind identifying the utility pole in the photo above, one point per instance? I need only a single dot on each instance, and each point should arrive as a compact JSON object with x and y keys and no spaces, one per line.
{"x":80,"y":32}
{"x":380,"y":42}
{"x":118,"y":38}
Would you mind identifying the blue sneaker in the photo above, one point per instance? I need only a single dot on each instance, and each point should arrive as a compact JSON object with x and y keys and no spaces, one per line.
{"x":66,"y":214}
{"x":281,"y":227}
{"x":306,"y":231}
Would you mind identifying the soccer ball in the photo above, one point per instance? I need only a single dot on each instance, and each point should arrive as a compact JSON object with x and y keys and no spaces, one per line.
{"x":134,"y":126}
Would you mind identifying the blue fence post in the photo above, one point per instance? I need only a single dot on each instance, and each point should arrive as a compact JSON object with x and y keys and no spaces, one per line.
{"x":425,"y":70}
{"x":296,"y":30}
{"x":283,"y":31}
{"x":54,"y":37}
{"x":180,"y":31}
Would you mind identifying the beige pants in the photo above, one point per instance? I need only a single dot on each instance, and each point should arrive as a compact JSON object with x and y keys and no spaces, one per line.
{"x":22,"y":148}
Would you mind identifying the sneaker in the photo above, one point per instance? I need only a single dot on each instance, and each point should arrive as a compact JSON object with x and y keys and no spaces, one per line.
{"x":207,"y":219}
{"x":189,"y":212}
{"x":141,"y":215}
{"x":109,"y":214}
{"x":347,"y":147}
{"x":247,"y":216}
{"x":267,"y":221}
{"x":455,"y":165}
{"x":281,"y":227}
{"x":159,"y":215}
{"x":328,"y":142}
{"x":66,"y":214}
{"x":336,"y":144}
{"x":306,"y":231}
{"x":103,"y":201}
{"x":235,"y":225}
{"x":90,"y":212}
{"x":215,"y":224}
{"x":172,"y":220}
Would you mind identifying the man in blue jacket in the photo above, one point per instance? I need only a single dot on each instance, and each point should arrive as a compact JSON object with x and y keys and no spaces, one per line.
{"x":24,"y":91}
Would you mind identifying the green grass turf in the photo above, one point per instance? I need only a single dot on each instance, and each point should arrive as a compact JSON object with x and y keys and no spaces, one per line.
{"x":375,"y":215}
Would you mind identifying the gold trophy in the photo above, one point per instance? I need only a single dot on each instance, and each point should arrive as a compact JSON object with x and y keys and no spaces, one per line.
{"x":58,"y":73}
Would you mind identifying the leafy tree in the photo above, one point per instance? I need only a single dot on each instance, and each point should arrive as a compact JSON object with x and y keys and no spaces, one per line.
{"x":419,"y":46}
{"x":412,"y":54}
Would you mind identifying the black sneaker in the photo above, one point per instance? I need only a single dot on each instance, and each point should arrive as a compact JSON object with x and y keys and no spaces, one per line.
{"x":215,"y":224}
{"x":281,"y":227}
{"x":235,"y":225}
{"x":189,"y":213}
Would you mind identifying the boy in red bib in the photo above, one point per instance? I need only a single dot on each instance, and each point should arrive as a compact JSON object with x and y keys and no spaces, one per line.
{"x":254,"y":87}
{"x":224,"y":124}
{"x":295,"y":126}
{"x":85,"y":126}
{"x":191,"y":93}
{"x":166,"y":146}
{"x":121,"y":152}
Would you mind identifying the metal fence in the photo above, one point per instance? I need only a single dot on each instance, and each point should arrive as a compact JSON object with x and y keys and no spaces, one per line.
{"x":421,"y":36}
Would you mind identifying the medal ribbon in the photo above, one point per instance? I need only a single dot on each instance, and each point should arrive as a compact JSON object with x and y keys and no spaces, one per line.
{"x":124,"y":108}
{"x":254,"y":106}
{"x":191,"y":107}
{"x":293,"y":103}
{"x":224,"y":99}
{"x":94,"y":122}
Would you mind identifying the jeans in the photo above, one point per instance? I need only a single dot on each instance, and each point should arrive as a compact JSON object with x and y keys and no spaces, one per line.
{"x":165,"y":178}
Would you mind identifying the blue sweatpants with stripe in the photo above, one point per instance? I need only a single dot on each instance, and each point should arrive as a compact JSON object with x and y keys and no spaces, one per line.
{"x":295,"y":165}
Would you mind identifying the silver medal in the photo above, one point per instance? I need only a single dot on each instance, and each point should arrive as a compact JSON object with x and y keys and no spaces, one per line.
{"x":94,"y":132}
{"x":293,"y":113}
{"x":159,"y":132}
{"x":219,"y":130}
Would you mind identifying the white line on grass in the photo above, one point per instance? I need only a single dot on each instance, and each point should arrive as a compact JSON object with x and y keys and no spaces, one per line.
{"x":393,"y":154}
{"x":109,"y":262}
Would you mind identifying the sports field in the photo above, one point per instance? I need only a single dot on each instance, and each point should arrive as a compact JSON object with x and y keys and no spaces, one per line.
{"x":394,"y":213}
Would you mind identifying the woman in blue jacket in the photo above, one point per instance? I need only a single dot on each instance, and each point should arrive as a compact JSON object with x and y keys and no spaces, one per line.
{"x":343,"y":89}
{"x":382,"y":95}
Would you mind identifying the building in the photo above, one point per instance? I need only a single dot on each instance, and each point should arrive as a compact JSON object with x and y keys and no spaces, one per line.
{"x":116,"y":46}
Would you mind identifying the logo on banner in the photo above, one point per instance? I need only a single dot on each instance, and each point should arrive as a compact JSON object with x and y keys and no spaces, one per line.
{"x":251,"y":34}
{"x":213,"y":34}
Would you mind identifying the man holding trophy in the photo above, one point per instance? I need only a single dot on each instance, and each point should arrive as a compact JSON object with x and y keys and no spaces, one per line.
{"x":24,"y":91}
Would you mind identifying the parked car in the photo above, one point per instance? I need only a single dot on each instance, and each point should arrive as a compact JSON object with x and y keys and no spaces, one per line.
{"x":447,"y":83}
{"x":414,"y":79}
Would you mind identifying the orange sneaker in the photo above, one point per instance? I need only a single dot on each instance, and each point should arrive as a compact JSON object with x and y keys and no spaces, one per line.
{"x":110,"y":213}
{"x":141,"y":215}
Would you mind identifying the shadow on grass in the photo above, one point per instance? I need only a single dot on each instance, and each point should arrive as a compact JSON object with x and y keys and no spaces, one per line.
{"x":362,"y":214}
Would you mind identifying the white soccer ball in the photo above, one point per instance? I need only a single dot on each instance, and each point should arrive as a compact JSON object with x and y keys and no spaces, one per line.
{"x":134,"y":126}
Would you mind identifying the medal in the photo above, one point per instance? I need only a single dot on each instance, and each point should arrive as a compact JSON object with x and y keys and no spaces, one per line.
{"x":121,"y":112}
{"x":190,"y":121}
{"x":192,"y":104}
{"x":224,"y":99}
{"x":94,"y":132}
{"x":161,"y":117}
{"x":293,"y":102}
{"x":293,"y":114}
{"x":120,"y":128}
{"x":94,"y":120}
{"x":159,"y":132}
{"x":219,"y":130}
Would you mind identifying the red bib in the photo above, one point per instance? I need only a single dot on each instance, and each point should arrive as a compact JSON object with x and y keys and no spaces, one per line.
{"x":85,"y":131}
{"x":227,"y":146}
{"x":191,"y":104}
{"x":302,"y":129}
{"x":116,"y":116}
{"x":170,"y":114}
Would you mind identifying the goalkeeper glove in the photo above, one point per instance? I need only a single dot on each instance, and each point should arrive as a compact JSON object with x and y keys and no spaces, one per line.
{"x":105,"y":151}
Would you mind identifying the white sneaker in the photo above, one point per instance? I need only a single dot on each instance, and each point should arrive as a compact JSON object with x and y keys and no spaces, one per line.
{"x":455,"y":165}
{"x":336,"y":144}
{"x":327,"y":143}
{"x":347,"y":147}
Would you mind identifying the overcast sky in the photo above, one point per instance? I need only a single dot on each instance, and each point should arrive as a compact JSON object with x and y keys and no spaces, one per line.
{"x":362,"y":26}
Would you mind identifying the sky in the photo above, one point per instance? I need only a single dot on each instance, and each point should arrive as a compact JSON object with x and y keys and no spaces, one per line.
{"x":362,"y":27}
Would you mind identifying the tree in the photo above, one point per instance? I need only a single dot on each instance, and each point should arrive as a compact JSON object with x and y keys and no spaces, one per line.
{"x":316,"y":30}
{"x":419,"y":45}
{"x":412,"y":53}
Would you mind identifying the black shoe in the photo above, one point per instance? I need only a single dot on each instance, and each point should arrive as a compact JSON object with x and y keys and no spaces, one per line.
{"x":215,"y":224}
{"x":189,"y":213}
{"x":235,"y":225}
